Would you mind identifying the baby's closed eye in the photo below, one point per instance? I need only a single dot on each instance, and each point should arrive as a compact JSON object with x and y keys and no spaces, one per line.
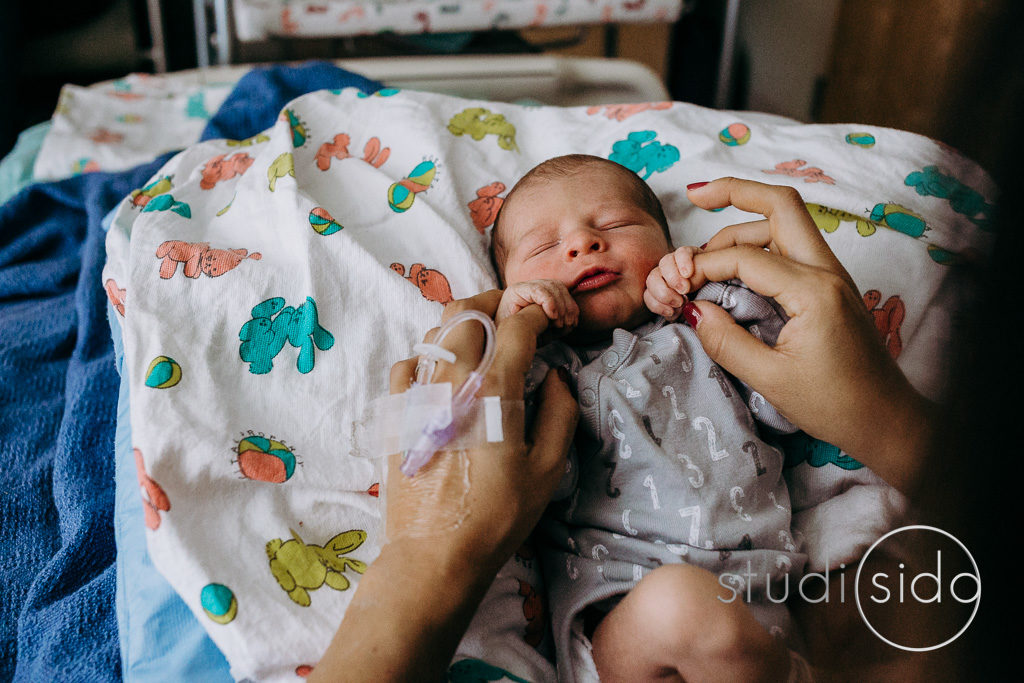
{"x":542,"y":248}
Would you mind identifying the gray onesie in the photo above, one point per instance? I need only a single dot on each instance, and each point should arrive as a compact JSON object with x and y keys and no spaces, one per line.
{"x":669,"y":468}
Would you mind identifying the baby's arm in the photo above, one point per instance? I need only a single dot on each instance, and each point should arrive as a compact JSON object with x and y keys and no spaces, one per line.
{"x":670,"y":281}
{"x":551,"y":295}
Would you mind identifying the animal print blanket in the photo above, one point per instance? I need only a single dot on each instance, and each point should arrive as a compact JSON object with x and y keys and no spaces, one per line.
{"x":267,"y":285}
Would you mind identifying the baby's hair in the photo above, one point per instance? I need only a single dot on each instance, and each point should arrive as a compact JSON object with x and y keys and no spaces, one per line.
{"x":561,"y":167}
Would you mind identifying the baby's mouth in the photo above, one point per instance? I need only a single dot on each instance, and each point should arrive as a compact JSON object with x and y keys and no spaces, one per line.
{"x":594,"y":278}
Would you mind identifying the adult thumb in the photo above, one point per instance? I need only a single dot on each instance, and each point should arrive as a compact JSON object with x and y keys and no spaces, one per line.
{"x":553,"y":430}
{"x":739,"y":352}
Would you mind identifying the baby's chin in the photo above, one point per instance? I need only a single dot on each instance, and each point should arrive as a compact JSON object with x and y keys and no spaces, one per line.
{"x":597,"y":324}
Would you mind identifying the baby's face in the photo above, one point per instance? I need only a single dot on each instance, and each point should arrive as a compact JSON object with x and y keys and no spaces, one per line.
{"x":587,"y":231}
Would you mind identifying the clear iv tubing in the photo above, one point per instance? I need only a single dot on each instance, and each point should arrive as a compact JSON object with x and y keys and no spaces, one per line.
{"x":439,"y":430}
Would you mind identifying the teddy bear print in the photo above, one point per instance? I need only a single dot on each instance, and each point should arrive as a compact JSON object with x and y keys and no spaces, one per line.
{"x":534,"y":610}
{"x":795,"y":169}
{"x":888,"y":319}
{"x":223,"y":167}
{"x":484,"y":209}
{"x":373,"y":153}
{"x":621,"y":112}
{"x":115,"y":294}
{"x":433,"y":285}
{"x":199,"y":257}
{"x":154,"y":500}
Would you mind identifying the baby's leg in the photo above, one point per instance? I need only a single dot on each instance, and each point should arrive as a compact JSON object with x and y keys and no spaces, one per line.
{"x":673,"y":626}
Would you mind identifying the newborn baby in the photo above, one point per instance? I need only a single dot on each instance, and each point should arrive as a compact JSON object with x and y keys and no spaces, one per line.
{"x":669,"y":546}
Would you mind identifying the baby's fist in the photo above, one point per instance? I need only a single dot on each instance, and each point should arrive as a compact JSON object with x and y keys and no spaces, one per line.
{"x":550,"y":295}
{"x":669,"y":283}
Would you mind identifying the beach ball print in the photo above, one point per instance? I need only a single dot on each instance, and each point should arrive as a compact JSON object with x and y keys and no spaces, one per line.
{"x":84,"y":165}
{"x":218,"y":603}
{"x":163,"y":373}
{"x":735,"y":134}
{"x":265,"y":459}
{"x":402,"y":194}
{"x":861,"y":139}
{"x":323,"y":222}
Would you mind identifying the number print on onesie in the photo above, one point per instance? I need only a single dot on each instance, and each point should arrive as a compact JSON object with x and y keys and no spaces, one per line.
{"x":716,"y":452}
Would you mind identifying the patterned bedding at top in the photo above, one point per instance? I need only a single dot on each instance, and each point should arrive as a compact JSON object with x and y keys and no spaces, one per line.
{"x":267,"y":285}
{"x":256,"y":19}
{"x":119,"y":124}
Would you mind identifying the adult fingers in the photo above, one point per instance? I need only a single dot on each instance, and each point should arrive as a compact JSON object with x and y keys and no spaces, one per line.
{"x":553,"y":431}
{"x":732,"y":347}
{"x":571,"y":308}
{"x":767,"y":274}
{"x":466,"y":340}
{"x":487,"y":302}
{"x":515,"y":345}
{"x":757,"y":233}
{"x":791,"y":227}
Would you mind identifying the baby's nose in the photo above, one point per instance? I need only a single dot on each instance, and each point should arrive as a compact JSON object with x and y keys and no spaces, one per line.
{"x":583,"y":242}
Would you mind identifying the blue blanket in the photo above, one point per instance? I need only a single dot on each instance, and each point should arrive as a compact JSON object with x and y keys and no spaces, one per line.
{"x":58,"y":399}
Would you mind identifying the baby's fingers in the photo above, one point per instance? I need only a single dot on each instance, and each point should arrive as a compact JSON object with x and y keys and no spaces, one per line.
{"x":683,"y":258}
{"x":662,"y":292}
{"x":571,"y":310}
{"x":670,"y":274}
{"x":553,"y":308}
{"x":658,"y":308}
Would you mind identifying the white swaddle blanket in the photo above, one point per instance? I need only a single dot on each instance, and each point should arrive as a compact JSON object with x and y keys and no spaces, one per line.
{"x":268,"y":285}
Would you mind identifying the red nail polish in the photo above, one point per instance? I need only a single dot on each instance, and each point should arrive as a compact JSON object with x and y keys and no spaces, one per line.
{"x":704,"y":246}
{"x":692,"y":314}
{"x":696,"y":186}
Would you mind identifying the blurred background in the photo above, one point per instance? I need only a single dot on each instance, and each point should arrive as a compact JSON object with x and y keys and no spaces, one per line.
{"x":929,"y":66}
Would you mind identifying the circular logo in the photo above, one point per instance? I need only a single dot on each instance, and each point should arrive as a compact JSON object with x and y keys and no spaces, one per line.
{"x":934,"y":578}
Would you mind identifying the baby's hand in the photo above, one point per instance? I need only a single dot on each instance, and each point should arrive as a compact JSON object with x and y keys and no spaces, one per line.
{"x":670,"y":282}
{"x":551,"y":295}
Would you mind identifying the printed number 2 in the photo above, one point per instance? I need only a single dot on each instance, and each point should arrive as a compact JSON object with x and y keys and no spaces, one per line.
{"x":716,"y":452}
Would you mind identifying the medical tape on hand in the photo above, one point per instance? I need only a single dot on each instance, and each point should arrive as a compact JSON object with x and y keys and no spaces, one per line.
{"x":393,"y":424}
{"x":434,"y":352}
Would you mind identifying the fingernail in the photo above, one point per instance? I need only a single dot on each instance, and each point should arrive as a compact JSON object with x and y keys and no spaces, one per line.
{"x":696,"y":186}
{"x":704,"y":246}
{"x":564,"y":375}
{"x":692,"y":314}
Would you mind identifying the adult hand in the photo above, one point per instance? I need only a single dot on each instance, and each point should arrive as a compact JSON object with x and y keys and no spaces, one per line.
{"x":828,"y":372}
{"x":509,"y":483}
{"x":452,"y":525}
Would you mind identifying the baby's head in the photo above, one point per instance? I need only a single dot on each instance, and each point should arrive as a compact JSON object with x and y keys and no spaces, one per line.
{"x":591,"y":224}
